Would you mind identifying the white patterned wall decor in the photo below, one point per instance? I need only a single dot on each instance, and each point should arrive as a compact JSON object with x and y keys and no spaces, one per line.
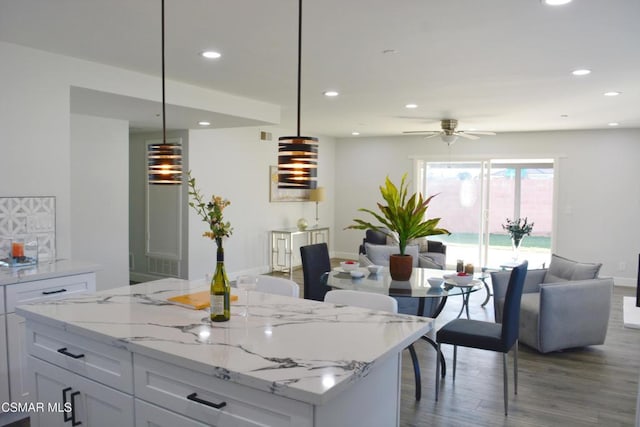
{"x":24,"y":216}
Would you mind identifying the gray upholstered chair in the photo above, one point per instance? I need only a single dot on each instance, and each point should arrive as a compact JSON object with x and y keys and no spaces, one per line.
{"x":563,"y":307}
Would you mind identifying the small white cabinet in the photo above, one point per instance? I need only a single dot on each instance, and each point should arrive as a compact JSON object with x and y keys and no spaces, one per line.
{"x":31,"y":292}
{"x":77,"y":400}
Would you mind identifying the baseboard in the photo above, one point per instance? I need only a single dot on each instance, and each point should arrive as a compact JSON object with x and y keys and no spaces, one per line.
{"x":626,"y":282}
{"x":143,"y":277}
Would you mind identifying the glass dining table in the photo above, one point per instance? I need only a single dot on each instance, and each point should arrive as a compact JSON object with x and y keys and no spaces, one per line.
{"x":416,"y":287}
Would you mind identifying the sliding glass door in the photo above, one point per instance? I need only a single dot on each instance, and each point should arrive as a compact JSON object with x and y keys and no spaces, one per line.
{"x":475,"y":198}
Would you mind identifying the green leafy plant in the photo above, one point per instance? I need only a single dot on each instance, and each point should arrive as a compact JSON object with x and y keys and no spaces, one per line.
{"x":518,"y":228}
{"x":403,"y":217}
{"x":210,"y":212}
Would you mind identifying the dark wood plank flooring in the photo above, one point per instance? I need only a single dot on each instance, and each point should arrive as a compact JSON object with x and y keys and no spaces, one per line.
{"x":592,"y":386}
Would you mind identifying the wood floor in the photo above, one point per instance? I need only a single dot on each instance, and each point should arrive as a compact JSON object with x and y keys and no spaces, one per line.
{"x":592,"y":386}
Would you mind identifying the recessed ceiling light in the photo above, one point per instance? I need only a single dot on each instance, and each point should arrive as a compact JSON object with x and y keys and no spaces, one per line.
{"x":204,"y":123}
{"x":581,"y":72}
{"x":389,"y":51}
{"x":210,"y":54}
{"x":612,"y":93}
{"x":355,"y":133}
{"x":564,"y":116}
{"x":556,"y":2}
{"x":330,"y":93}
{"x":614,"y":124}
{"x":411,"y":106}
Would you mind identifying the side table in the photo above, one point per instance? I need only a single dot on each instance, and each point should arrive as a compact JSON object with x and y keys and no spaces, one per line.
{"x":282,"y":242}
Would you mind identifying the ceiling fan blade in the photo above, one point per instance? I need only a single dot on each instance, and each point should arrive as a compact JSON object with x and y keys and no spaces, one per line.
{"x":422,"y":131}
{"x":466,"y":135}
{"x":478,"y":132}
{"x":432,"y":136}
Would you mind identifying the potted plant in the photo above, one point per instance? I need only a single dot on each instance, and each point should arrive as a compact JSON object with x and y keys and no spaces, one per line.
{"x":517,"y":229}
{"x":404,"y":219}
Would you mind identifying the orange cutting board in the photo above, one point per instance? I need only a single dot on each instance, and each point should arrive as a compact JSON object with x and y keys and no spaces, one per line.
{"x":196,"y":300}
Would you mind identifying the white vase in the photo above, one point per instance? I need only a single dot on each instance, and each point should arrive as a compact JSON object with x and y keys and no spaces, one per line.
{"x":515,"y":245}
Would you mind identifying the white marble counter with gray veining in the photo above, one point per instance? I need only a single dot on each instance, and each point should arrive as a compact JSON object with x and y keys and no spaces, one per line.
{"x":45,"y":270}
{"x":304,"y":350}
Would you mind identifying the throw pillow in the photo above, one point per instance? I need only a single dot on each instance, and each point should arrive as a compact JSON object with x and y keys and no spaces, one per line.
{"x":379,"y":254}
{"x":562,"y":269}
{"x":423,"y":244}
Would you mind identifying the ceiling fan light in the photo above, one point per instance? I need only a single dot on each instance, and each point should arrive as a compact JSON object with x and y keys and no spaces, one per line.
{"x":555,"y":2}
{"x":449,"y":139}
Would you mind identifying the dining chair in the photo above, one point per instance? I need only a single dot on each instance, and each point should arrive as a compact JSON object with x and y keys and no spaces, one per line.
{"x":277,"y":286}
{"x":375,"y":302}
{"x":315,"y":263}
{"x":498,"y":337}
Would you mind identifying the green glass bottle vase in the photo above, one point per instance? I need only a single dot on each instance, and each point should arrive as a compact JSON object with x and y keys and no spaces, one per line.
{"x":220,"y":310}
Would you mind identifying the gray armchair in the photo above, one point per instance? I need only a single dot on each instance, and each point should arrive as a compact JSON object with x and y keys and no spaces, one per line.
{"x":563,"y":307}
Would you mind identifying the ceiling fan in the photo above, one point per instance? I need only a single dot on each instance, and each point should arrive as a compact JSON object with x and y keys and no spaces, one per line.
{"x":449,"y":134}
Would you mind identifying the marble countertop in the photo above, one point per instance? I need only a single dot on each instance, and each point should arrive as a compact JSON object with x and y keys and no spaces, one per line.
{"x":304,"y":350}
{"x":45,"y":270}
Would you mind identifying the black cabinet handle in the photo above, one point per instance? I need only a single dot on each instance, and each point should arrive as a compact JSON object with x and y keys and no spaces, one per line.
{"x":74,"y":422}
{"x":193,"y":396}
{"x":64,"y":351}
{"x":59,"y":291}
{"x":66,"y":416}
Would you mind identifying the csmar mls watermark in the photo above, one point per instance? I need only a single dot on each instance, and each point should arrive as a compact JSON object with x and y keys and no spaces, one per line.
{"x":35,"y":407}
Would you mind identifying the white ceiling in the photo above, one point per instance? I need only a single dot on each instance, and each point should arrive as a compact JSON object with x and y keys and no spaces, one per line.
{"x":501,"y":65}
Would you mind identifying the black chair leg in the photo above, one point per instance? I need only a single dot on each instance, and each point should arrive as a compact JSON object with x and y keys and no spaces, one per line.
{"x":441,"y":356}
{"x":505,"y":379}
{"x":416,"y":371}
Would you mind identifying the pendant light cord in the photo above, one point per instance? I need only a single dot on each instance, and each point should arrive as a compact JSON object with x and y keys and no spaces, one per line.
{"x":164,"y":123}
{"x":299,"y":58}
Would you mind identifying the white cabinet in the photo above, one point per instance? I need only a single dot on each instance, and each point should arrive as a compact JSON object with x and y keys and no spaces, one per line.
{"x":17,"y":358}
{"x":148,"y":415}
{"x":30,"y":292}
{"x":214,"y":401}
{"x":4,"y":367}
{"x":76,"y":400}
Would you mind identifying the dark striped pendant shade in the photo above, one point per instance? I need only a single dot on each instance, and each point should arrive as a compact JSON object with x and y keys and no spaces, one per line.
{"x":297,"y":162}
{"x":164,"y":163}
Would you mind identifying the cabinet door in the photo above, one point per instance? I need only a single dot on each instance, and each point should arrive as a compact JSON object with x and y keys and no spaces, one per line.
{"x":93,"y":404}
{"x":4,"y":367}
{"x":148,"y":415}
{"x":16,"y":334}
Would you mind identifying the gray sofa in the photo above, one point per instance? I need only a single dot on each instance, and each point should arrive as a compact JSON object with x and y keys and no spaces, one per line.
{"x":376,"y":248}
{"x":563,"y":307}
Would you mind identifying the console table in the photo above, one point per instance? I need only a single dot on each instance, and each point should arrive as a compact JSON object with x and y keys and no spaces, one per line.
{"x":282,"y":242}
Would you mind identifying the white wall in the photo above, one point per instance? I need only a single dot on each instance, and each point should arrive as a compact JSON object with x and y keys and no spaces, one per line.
{"x":234,"y":163}
{"x":598,"y":201}
{"x":99,"y":197}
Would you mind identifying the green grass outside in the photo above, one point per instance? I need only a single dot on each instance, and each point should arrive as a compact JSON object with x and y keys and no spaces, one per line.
{"x":542,"y":242}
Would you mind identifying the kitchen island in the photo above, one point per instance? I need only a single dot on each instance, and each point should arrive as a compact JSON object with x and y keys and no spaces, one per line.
{"x":129,"y":357}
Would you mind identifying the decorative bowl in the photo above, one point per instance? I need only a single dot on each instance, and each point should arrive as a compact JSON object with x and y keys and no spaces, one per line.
{"x":356,"y":274}
{"x":463,"y":280}
{"x":374,"y":269}
{"x":449,"y":276}
{"x":435,"y":282}
{"x":349,"y":265}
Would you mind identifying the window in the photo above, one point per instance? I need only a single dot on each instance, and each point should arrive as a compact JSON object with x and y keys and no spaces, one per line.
{"x":475,"y":198}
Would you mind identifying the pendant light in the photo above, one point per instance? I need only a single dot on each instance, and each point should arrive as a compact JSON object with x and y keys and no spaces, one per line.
{"x":298,"y":155}
{"x":164,"y":160}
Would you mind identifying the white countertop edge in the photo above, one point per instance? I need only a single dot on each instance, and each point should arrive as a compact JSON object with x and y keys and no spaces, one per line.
{"x":237,"y":377}
{"x":45,"y":270}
